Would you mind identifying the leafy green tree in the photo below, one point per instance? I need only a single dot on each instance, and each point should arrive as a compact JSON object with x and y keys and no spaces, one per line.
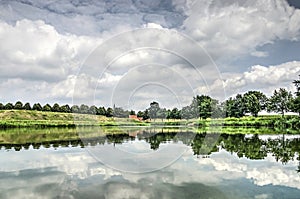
{"x":297,"y":84}
{"x":240,"y":106}
{"x":154,"y":108}
{"x":202,"y":106}
{"x":168,"y":114}
{"x":296,"y":101}
{"x":55,"y":108}
{"x":18,"y":105}
{"x":175,"y":114}
{"x":146,"y":115}
{"x":186,"y":112}
{"x":65,"y":108}
{"x":109,"y":112}
{"x":132,"y":112}
{"x":235,"y":107}
{"x":93,"y":110}
{"x":84,"y":109}
{"x":75,"y":109}
{"x":1,"y":106}
{"x":296,"y":105}
{"x":101,"y":111}
{"x":280,"y":101}
{"x":47,"y":107}
{"x":229,"y":106}
{"x":37,"y":107}
{"x":27,"y":106}
{"x":254,"y":101}
{"x":8,"y":106}
{"x":120,"y":112}
{"x":161,"y":113}
{"x":205,"y":106}
{"x":140,"y":114}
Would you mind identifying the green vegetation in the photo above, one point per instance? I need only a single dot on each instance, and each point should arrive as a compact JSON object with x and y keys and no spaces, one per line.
{"x":25,"y":118}
{"x":38,"y":119}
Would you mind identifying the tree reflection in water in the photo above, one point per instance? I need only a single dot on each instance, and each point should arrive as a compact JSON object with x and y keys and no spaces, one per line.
{"x":252,"y":147}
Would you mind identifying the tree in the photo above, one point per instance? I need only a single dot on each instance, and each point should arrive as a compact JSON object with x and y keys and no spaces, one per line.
{"x":119,"y":112}
{"x":47,"y":108}
{"x":109,"y":112}
{"x":229,"y":107}
{"x":175,"y":114}
{"x":75,"y":109}
{"x":235,"y":107}
{"x":205,"y":106}
{"x":55,"y":108}
{"x":280,"y":101}
{"x":101,"y":111}
{"x":240,"y":108}
{"x":297,"y":84}
{"x":254,"y":102}
{"x":8,"y":106}
{"x":132,"y":112}
{"x":37,"y":107}
{"x":146,"y":115}
{"x":186,"y":112}
{"x":84,"y":109}
{"x":161,"y":113}
{"x":296,"y":101}
{"x":18,"y":105}
{"x":202,"y":106}
{"x":93,"y":110}
{"x":27,"y":106}
{"x":154,"y":108}
{"x":296,"y":105}
{"x":65,"y":109}
{"x":1,"y":106}
{"x":140,"y":114}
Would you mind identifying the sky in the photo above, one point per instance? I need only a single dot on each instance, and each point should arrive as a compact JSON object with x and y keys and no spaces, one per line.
{"x":132,"y":52}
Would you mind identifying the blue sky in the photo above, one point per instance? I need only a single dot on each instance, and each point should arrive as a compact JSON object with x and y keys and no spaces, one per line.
{"x":49,"y":50}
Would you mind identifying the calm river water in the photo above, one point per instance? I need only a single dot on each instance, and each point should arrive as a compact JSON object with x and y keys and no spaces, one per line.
{"x":148,"y":164}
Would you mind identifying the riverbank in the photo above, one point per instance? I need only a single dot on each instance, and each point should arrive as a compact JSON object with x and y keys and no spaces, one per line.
{"x":39,"y":119}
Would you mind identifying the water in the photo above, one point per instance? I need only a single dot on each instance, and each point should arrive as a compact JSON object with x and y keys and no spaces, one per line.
{"x":56,"y":163}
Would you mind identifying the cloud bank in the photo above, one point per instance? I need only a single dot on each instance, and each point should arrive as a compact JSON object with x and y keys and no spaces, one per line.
{"x":44,"y":45}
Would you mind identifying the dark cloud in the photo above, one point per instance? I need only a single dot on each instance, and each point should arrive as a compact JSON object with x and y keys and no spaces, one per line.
{"x":90,"y":17}
{"x":294,"y":3}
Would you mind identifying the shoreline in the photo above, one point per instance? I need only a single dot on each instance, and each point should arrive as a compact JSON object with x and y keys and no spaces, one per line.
{"x":38,"y":119}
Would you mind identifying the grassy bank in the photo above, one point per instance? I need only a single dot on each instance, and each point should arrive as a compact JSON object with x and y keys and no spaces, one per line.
{"x":274,"y":122}
{"x":38,"y":119}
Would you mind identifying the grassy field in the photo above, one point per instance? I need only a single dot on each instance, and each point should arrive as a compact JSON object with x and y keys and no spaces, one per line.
{"x":23,"y":118}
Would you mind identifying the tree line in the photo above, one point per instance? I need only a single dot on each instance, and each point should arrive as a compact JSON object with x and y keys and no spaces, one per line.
{"x":202,"y":106}
{"x":251,"y":102}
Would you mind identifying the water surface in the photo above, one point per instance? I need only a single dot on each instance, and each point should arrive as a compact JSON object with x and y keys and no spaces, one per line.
{"x":45,"y":164}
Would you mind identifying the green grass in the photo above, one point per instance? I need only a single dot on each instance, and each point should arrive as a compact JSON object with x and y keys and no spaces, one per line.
{"x":24,"y":118}
{"x":38,"y":119}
